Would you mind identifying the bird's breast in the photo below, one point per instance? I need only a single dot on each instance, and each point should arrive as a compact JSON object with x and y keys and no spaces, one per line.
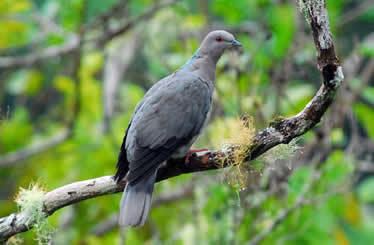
{"x":182,"y":151}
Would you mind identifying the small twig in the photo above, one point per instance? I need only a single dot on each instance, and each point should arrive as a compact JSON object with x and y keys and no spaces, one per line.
{"x":74,"y":42}
{"x":18,"y":156}
{"x":10,"y":158}
{"x":117,"y":63}
{"x":285,"y":213}
{"x":32,"y":58}
{"x":351,"y":15}
{"x":366,"y":101}
{"x":111,"y":222}
{"x":102,"y":19}
{"x":110,"y":34}
{"x":77,"y":64}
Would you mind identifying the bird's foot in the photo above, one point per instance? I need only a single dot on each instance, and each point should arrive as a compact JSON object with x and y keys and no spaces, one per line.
{"x":192,"y":153}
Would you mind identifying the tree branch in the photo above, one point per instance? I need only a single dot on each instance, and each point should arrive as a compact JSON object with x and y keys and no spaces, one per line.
{"x":73,"y":45}
{"x":74,"y":41}
{"x":281,"y":131}
{"x":300,"y":202}
{"x":32,"y":58}
{"x":10,"y":158}
{"x":112,"y":33}
{"x":354,"y":13}
{"x":285,"y":213}
{"x":111,"y":222}
{"x":32,"y":150}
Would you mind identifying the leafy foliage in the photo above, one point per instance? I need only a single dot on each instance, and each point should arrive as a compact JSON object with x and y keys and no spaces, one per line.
{"x":273,"y":75}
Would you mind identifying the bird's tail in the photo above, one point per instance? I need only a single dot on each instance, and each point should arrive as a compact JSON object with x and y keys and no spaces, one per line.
{"x":136,"y":202}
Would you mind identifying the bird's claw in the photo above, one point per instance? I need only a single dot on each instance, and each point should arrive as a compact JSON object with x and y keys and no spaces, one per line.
{"x":191,"y":154}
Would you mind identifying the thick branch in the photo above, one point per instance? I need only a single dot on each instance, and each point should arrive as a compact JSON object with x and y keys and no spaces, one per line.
{"x":281,"y":131}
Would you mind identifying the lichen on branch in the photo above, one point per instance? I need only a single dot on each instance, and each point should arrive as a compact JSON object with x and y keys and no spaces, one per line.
{"x":31,"y":203}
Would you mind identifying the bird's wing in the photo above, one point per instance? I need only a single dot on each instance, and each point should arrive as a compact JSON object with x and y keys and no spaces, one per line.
{"x":168,"y":118}
{"x":122,"y":162}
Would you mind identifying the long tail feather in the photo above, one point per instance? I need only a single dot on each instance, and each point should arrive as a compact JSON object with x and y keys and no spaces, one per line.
{"x":136,"y":202}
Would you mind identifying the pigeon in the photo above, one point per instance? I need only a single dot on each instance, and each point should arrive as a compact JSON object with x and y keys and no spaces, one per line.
{"x":165,"y":124}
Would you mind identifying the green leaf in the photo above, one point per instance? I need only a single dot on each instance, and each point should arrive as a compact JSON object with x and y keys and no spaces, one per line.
{"x":16,"y":131}
{"x":365,"y":115}
{"x":25,"y":81}
{"x":283,"y":27}
{"x":297,"y":96}
{"x":357,"y":236}
{"x":298,"y":179}
{"x":367,"y":50}
{"x":368,"y":94}
{"x":337,"y":136}
{"x":366,"y":190}
{"x":10,"y":6}
{"x":13,"y":33}
{"x":336,"y":168}
{"x":232,"y":11}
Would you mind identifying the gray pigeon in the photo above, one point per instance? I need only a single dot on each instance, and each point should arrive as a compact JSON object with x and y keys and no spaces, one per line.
{"x":166,"y":123}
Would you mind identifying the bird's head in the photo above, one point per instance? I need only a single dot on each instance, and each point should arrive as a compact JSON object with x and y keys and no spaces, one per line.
{"x":216,"y":42}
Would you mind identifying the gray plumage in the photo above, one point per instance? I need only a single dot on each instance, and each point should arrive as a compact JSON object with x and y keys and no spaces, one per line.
{"x":165,"y":124}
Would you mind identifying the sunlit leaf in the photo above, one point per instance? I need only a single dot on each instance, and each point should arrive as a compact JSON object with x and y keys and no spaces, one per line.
{"x":13,"y":33}
{"x":366,"y":190}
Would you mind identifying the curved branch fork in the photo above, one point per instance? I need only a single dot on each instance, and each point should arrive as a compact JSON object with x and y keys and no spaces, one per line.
{"x":281,"y":131}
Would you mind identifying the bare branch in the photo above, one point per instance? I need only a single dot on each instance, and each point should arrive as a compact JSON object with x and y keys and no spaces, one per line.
{"x":285,"y":213}
{"x":50,"y":52}
{"x":118,"y":61}
{"x":110,"y":34}
{"x":74,"y":42}
{"x":301,"y":199}
{"x":20,"y":155}
{"x":102,"y":19}
{"x":356,"y":12}
{"x":300,"y":202}
{"x":112,"y":221}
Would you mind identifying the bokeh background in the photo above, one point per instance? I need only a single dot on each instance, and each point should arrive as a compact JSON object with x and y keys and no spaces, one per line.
{"x":72,"y":71}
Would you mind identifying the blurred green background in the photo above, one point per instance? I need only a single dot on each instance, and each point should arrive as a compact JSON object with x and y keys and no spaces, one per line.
{"x":71,"y":100}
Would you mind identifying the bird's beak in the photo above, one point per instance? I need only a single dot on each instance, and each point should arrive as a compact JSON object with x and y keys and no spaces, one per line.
{"x":235,"y":43}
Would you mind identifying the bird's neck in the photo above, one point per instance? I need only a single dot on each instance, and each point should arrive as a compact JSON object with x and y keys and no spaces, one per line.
{"x":202,"y":65}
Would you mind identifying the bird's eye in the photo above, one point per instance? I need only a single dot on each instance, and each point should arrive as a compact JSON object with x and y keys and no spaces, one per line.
{"x":219,"y":39}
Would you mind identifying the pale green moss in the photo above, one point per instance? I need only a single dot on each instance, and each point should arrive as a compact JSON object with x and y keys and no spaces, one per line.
{"x":305,"y":7}
{"x":30,"y":202}
{"x":282,"y":151}
{"x":239,"y":133}
{"x":15,"y":240}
